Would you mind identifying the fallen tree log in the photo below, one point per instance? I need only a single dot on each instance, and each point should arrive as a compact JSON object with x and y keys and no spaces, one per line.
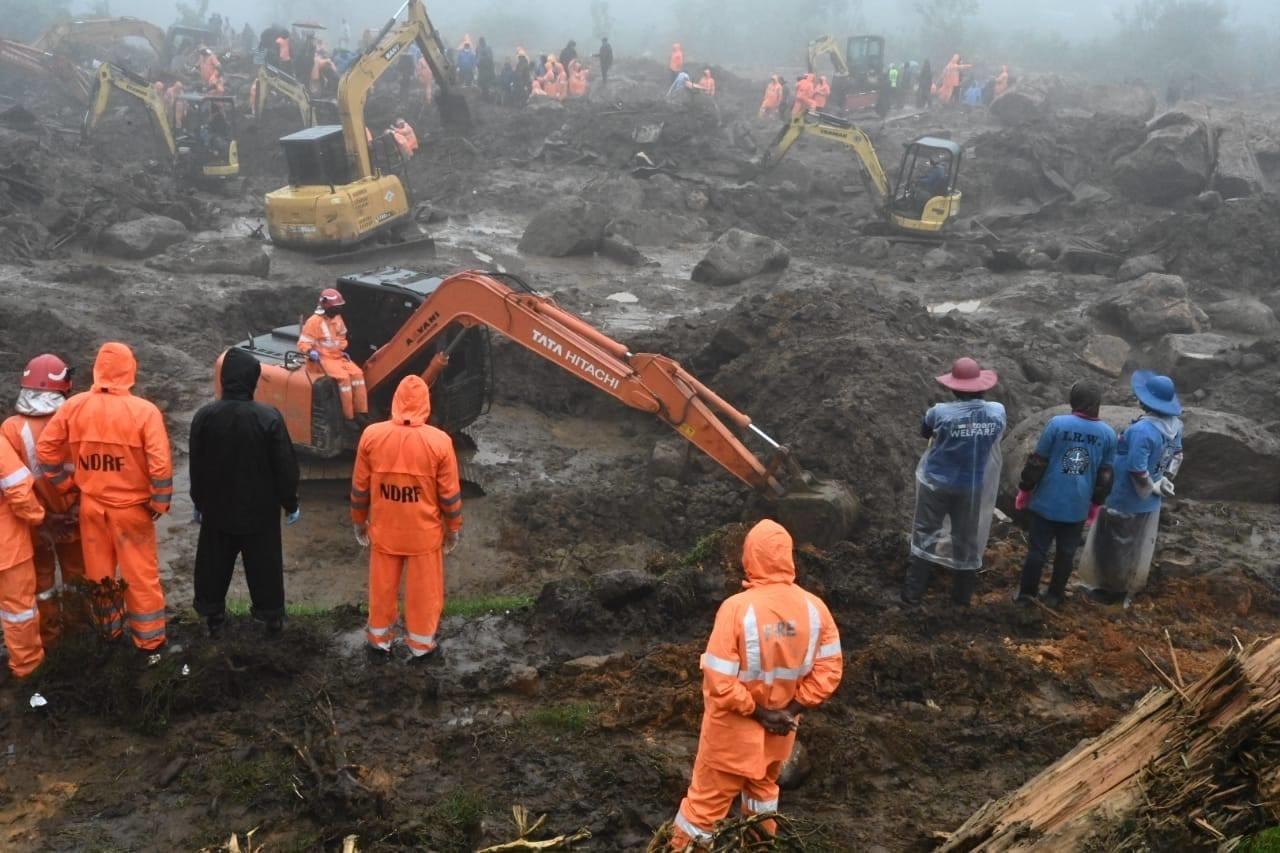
{"x":1188,"y":768}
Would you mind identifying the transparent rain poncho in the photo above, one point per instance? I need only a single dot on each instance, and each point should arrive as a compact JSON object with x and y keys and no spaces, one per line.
{"x":1118,"y":551}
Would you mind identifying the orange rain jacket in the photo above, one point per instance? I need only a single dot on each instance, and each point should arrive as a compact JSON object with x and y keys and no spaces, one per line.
{"x":23,"y":431}
{"x":1002,"y":81}
{"x":115,"y":443}
{"x":20,"y":510}
{"x":326,"y":334}
{"x":282,"y":46}
{"x":821,"y":93}
{"x":804,"y":95}
{"x":210,"y":69}
{"x":708,"y":84}
{"x":677,"y":59}
{"x":771,"y":644}
{"x":405,"y":485}
{"x":772,"y":96}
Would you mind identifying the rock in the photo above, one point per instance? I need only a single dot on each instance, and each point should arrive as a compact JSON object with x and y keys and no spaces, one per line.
{"x":822,"y":514}
{"x":545,"y":105}
{"x":618,"y":193}
{"x":522,"y":679}
{"x":621,"y":250}
{"x":1209,"y":201}
{"x":651,"y":228}
{"x":1127,"y":101}
{"x":940,"y":259}
{"x":1238,"y":174}
{"x":1089,"y":195}
{"x":1106,"y":353}
{"x":796,"y":769}
{"x":568,"y":226}
{"x":590,"y":663}
{"x":1193,"y":361}
{"x":141,"y":238}
{"x":669,"y":458}
{"x":1152,"y":306}
{"x":1035,"y":259}
{"x":621,"y":587}
{"x":1021,"y":104}
{"x":1138,"y":266}
{"x":1243,"y":314}
{"x":223,"y":258}
{"x":874,"y":248}
{"x":1173,"y":162}
{"x":739,"y":255}
{"x":696,"y":201}
{"x":1227,"y":456}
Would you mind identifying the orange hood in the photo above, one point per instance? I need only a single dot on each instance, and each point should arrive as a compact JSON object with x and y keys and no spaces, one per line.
{"x":767,"y":555}
{"x":411,"y":405}
{"x":115,"y":369}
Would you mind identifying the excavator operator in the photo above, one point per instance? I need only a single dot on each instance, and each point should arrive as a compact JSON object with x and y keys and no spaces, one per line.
{"x":324,"y":341}
{"x":932,"y":183}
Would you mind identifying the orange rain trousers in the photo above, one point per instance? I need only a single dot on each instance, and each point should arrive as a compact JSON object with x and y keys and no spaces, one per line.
{"x":70,"y":557}
{"x":20,"y":618}
{"x":351,"y":387}
{"x":711,"y":794}
{"x":125,"y":538}
{"x":423,"y":576}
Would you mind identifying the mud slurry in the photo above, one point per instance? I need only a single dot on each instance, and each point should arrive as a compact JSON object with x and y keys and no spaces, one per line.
{"x":584,"y":705}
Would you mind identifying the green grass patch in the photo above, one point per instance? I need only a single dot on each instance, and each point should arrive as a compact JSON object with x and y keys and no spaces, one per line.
{"x":244,"y":780}
{"x":1267,"y":841}
{"x":569,"y":719}
{"x":239,"y":607}
{"x":706,"y":548}
{"x":485,"y":605}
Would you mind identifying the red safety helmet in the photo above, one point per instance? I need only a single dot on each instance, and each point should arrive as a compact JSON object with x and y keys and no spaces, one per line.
{"x":330,"y":298}
{"x":47,"y":372}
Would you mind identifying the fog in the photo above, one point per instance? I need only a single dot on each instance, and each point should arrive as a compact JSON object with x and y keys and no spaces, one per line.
{"x":1144,"y":38}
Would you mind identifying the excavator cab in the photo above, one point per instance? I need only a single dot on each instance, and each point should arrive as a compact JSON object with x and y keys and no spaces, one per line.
{"x":925,"y":197}
{"x":207,"y":145}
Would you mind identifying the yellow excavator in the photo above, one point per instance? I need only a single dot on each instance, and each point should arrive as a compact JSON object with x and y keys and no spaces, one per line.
{"x":272,"y":80}
{"x":204,"y":147}
{"x":343,"y":189}
{"x":922,"y":202}
{"x":856,"y":69}
{"x":79,"y":33}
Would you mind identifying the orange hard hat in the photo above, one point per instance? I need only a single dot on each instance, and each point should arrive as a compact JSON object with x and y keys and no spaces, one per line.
{"x":46,"y":372}
{"x":330,"y":298}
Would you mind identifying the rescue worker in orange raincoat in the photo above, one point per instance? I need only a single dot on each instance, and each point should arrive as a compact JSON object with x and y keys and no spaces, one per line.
{"x":772,"y":101}
{"x":210,"y":69}
{"x":406,"y":506}
{"x":283,"y":50}
{"x":44,"y":386}
{"x":322,"y":71}
{"x":804,"y":95}
{"x":176,"y":106}
{"x":405,"y":138}
{"x":20,"y":513}
{"x":676,"y":64}
{"x":821,"y":92}
{"x":774,"y":654}
{"x":114,"y":448}
{"x":426,"y":79}
{"x":578,"y":81}
{"x":1002,"y":81}
{"x":950,"y":79}
{"x":708,"y":83}
{"x":323,"y":340}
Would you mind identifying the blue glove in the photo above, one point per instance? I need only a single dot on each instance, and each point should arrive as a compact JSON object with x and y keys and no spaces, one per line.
{"x":293,"y":516}
{"x":197,"y":516}
{"x":314,"y":355}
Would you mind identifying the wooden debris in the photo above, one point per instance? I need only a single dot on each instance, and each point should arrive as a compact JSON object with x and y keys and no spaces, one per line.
{"x":520,"y":816}
{"x":1186,"y":768}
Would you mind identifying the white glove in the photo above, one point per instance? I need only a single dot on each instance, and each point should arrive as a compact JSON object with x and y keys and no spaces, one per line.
{"x":1164,"y":486}
{"x":362,"y":535}
{"x":451,"y":540}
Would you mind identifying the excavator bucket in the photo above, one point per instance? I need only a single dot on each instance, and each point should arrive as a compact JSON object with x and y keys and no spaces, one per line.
{"x":455,"y":113}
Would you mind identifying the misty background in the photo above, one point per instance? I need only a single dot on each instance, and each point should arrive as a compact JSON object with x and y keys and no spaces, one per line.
{"x":1230,"y":45}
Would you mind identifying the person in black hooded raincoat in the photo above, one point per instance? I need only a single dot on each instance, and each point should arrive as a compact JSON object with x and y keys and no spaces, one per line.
{"x":243,"y":474}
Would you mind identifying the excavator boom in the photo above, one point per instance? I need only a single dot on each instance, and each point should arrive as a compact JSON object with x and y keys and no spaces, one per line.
{"x":839,"y":130}
{"x":74,"y":81}
{"x":271,"y":79}
{"x":650,"y":383}
{"x":90,"y":31}
{"x":112,"y":77}
{"x":827,"y":46}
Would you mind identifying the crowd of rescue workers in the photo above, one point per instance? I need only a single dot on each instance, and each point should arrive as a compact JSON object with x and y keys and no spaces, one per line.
{"x":86,"y":476}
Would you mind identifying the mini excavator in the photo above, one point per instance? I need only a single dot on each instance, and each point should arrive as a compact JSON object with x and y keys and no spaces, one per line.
{"x":857,"y":69}
{"x":402,"y":323}
{"x":919,"y":203}
{"x":272,"y":80}
{"x":343,"y":189}
{"x":205,"y":147}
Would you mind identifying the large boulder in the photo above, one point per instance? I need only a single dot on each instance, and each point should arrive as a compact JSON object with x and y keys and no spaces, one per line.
{"x":219,"y":258}
{"x":1106,"y":353}
{"x":1238,"y":174}
{"x":1023,"y":104}
{"x":1243,"y":314}
{"x":1226,"y":456}
{"x":1149,"y":307}
{"x":821,"y":513}
{"x":1138,"y":266}
{"x":1192,"y":360}
{"x":565,"y":227}
{"x":1174,"y":161}
{"x":141,"y":238}
{"x":1123,"y":99}
{"x":739,"y":255}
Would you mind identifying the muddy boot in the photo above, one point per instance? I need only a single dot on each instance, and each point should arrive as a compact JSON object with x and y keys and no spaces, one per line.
{"x":275,"y":627}
{"x":963,"y":583}
{"x":916,"y":581}
{"x":377,"y":656}
{"x":217,"y":626}
{"x":1029,"y":584}
{"x":1051,"y":599}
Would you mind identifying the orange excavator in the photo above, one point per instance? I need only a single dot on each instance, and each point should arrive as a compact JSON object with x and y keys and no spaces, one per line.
{"x":402,"y":322}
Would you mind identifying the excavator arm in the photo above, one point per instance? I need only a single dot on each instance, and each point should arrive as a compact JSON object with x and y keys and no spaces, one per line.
{"x":650,"y":383}
{"x":827,"y":46}
{"x":395,"y":38}
{"x":99,"y":31}
{"x":839,"y":130}
{"x":111,"y":77}
{"x":272,"y":79}
{"x":74,"y":81}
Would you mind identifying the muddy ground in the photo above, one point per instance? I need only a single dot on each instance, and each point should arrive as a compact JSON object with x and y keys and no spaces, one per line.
{"x":582,"y":548}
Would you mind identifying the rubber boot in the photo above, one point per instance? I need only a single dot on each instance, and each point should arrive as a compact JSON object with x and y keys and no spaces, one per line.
{"x":1029,"y":585}
{"x":1058,"y":583}
{"x":916,"y":581}
{"x":963,"y":583}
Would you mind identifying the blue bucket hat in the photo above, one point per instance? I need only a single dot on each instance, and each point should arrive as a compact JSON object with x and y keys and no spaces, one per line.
{"x":1156,"y":392}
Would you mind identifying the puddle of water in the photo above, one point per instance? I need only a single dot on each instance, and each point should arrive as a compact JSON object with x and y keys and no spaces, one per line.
{"x":489,"y":456}
{"x":967,"y":306}
{"x":623,"y":297}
